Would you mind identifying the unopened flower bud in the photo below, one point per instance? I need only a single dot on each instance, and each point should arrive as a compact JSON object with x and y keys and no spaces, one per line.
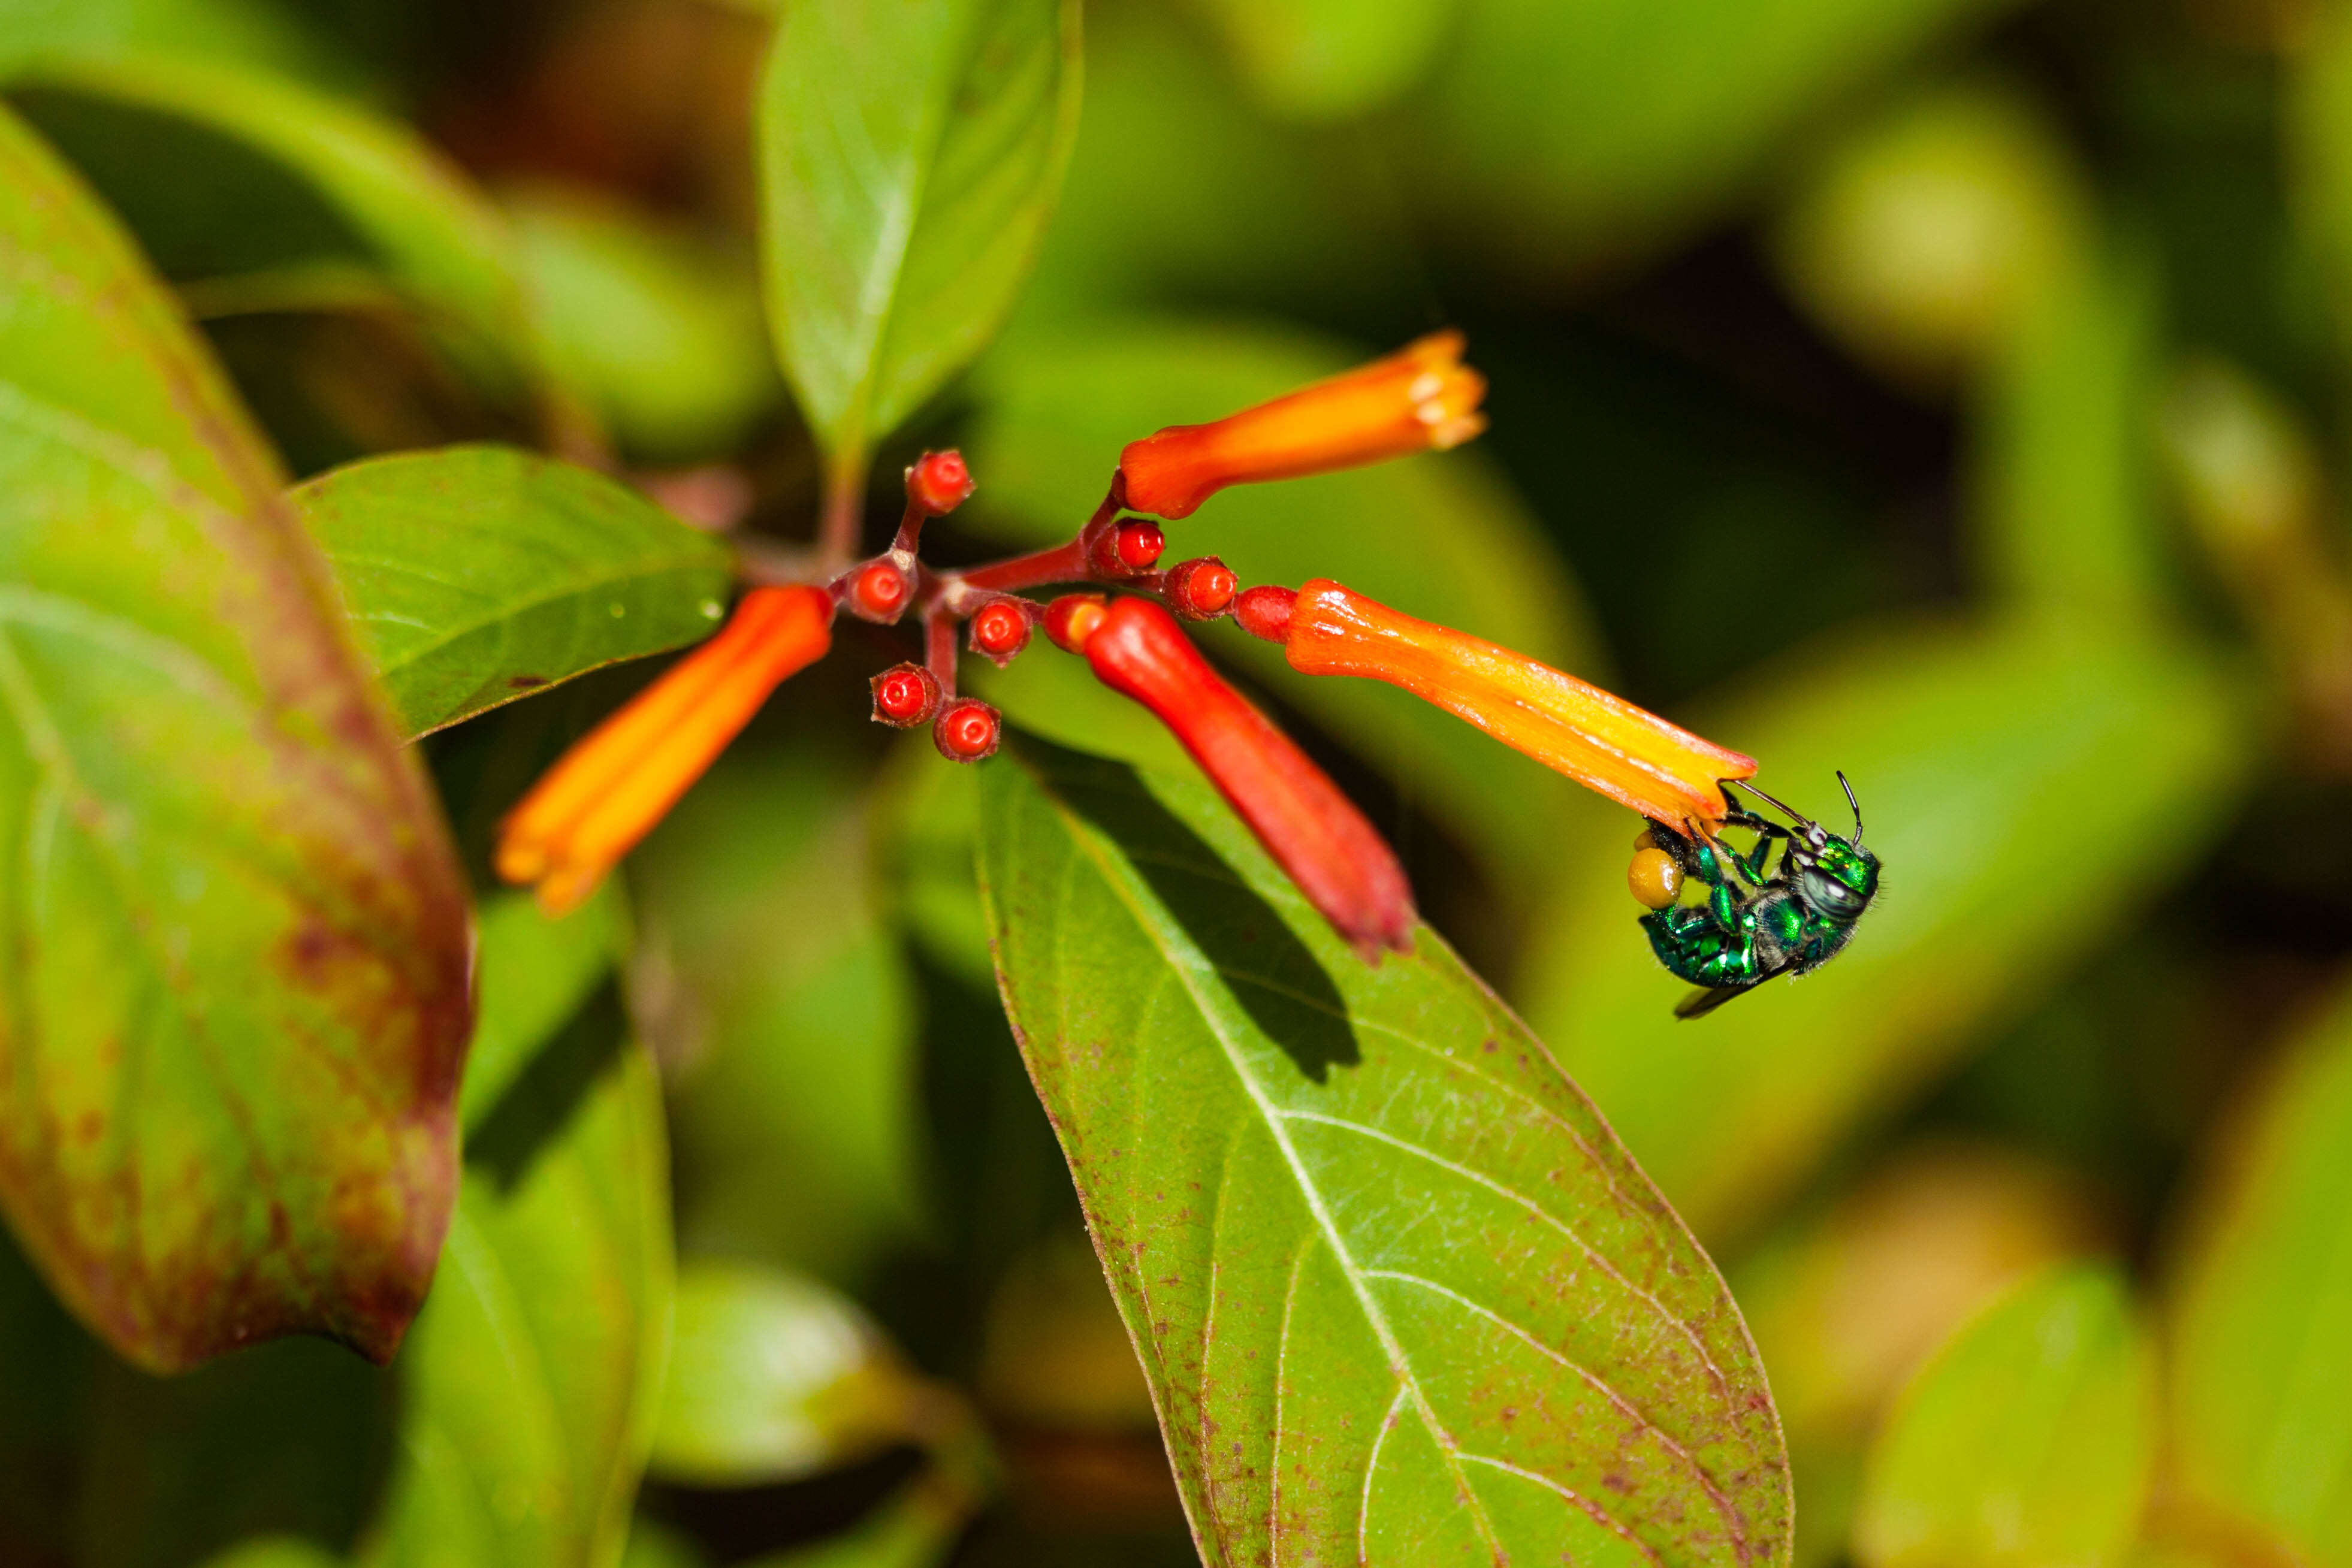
{"x":607,"y":793}
{"x":1201,"y":590}
{"x":1603,"y":742}
{"x":966,"y":731}
{"x":1265,"y":612}
{"x":1312,"y":831}
{"x":1420,"y":399}
{"x":1000,"y":631}
{"x":1072,"y":619}
{"x":878,"y":592}
{"x":1134,"y":546}
{"x":906,"y":695}
{"x":939,"y":482}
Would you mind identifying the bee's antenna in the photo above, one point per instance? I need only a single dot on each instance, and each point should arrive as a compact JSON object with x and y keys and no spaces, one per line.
{"x":1850,"y":800}
{"x":1789,"y":811}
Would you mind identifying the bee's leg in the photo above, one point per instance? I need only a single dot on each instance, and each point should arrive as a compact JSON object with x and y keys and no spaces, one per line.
{"x":1688,"y":850}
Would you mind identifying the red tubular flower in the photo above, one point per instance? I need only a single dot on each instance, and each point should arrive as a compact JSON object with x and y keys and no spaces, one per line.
{"x":1265,"y":613}
{"x":1421,"y":399}
{"x":1601,"y":741}
{"x":610,"y":789}
{"x":1312,"y":830}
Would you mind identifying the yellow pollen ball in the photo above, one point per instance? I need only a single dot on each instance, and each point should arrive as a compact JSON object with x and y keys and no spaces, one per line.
{"x":1655,"y":877}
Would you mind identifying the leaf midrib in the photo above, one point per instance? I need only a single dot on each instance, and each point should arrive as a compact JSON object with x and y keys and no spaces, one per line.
{"x":1187,"y":967}
{"x":1400,"y":1364}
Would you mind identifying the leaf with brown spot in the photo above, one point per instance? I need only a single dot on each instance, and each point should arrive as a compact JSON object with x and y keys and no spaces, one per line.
{"x":231,"y":926}
{"x":1401,"y":1299}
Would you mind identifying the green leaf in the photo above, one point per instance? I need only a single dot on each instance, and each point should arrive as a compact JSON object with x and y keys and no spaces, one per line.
{"x":235,"y":936}
{"x":910,"y":154}
{"x":774,"y":1377}
{"x":1570,"y":135}
{"x":1179,"y":189}
{"x":2029,"y":1440}
{"x":1974,"y":753}
{"x":1401,"y":1295}
{"x":371,"y":191}
{"x":531,"y":1378}
{"x":783,"y":1007}
{"x":247,"y":32}
{"x":1440,"y":537}
{"x":2318,"y":114}
{"x":2261,"y":1318}
{"x":532,"y":976}
{"x":654,"y":328}
{"x":478,"y":574}
{"x":1923,"y":240}
{"x":2068,"y":524}
{"x":1330,"y":59}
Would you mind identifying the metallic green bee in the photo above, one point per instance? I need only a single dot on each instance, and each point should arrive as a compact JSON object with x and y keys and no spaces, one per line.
{"x":1754,"y":925}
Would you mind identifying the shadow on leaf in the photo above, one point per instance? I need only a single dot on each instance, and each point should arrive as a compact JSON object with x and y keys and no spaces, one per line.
{"x":1275,"y":978}
{"x":550,"y":1091}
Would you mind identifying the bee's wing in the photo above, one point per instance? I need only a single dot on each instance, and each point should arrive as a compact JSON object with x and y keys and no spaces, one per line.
{"x":1700,"y":1003}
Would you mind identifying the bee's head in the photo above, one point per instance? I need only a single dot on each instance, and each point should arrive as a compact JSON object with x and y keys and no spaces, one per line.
{"x":1837,"y":877}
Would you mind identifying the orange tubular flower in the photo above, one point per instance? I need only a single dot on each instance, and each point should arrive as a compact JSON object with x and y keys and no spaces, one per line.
{"x":620,"y":778}
{"x":1420,"y":399}
{"x":1603,"y":742}
{"x":1313,"y":830}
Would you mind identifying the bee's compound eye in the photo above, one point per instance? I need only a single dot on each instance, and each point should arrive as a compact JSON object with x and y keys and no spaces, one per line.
{"x":1830,"y":895}
{"x":1655,"y":877}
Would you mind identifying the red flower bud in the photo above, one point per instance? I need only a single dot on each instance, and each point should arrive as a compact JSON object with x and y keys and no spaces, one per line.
{"x":1072,"y":619}
{"x":1134,"y":546}
{"x":938,"y":483}
{"x":609,"y":790}
{"x":966,"y":731}
{"x":1603,"y":742}
{"x":1201,"y":590}
{"x":906,"y":695}
{"x":1313,"y":833}
{"x":1419,"y":399}
{"x":1265,"y":613}
{"x":878,"y":592}
{"x":999,"y":630}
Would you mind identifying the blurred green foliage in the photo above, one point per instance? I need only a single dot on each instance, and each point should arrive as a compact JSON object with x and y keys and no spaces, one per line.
{"x":1949,"y":393}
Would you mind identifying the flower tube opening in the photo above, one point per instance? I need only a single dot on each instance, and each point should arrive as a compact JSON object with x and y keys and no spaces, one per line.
{"x":1312,"y":830}
{"x":1601,"y":741}
{"x":617,"y":781}
{"x":1420,"y":399}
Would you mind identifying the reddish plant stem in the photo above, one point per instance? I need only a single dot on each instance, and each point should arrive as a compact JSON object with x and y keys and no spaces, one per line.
{"x":845,"y":494}
{"x":911,"y":529}
{"x":939,"y":649}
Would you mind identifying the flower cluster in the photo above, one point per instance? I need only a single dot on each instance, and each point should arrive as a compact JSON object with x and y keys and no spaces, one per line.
{"x":609,"y":790}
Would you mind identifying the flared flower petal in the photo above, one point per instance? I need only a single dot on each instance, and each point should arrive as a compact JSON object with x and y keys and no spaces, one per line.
{"x":1313,"y":833}
{"x":1603,"y":742}
{"x":1421,"y":399}
{"x":609,"y":790}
